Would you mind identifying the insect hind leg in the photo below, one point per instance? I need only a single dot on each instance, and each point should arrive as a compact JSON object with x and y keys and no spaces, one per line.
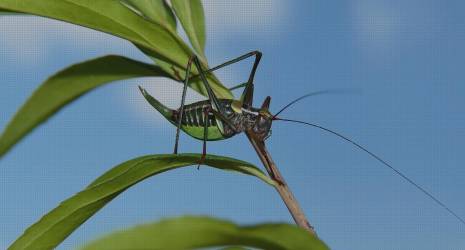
{"x":205,"y":137}
{"x":247,"y":95}
{"x":183,"y":100}
{"x":216,"y":107}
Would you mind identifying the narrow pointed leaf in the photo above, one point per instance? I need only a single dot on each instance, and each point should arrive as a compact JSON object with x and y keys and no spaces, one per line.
{"x":66,"y":86}
{"x":156,"y":11}
{"x":192,"y":18}
{"x":55,"y":226}
{"x":203,"y":232}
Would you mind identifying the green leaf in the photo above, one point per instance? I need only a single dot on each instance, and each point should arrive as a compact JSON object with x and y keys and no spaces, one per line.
{"x":112,"y":17}
{"x":192,"y":18}
{"x":156,"y":11}
{"x":66,"y":86}
{"x":201,"y":232}
{"x":54,"y":227}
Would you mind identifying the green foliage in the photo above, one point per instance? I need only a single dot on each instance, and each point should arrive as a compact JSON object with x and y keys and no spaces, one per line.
{"x":202,"y":232}
{"x":55,"y":226}
{"x":149,"y":24}
{"x":68,"y":85}
{"x":156,"y":11}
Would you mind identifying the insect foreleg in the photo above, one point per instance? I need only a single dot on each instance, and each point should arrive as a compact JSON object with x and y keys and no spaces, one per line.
{"x":183,"y":99}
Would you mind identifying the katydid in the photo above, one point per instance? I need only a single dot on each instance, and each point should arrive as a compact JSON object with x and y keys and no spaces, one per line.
{"x":219,"y":119}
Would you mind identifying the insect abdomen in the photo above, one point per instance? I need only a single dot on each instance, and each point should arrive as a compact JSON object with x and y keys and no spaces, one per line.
{"x":193,"y":119}
{"x":194,"y":115}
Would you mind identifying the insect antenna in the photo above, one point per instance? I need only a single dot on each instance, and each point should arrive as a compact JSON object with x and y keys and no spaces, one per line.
{"x":321,"y":92}
{"x":398,"y":172}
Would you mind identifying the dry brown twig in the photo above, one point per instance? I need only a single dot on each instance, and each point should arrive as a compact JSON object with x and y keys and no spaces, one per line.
{"x":283,"y":189}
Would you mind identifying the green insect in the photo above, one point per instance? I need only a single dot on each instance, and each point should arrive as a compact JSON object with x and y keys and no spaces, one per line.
{"x":218,"y":119}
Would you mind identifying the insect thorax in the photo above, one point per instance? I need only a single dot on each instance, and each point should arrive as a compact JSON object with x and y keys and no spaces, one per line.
{"x":242,"y":119}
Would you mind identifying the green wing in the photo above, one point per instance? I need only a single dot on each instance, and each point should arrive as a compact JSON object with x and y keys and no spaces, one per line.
{"x":214,"y":133}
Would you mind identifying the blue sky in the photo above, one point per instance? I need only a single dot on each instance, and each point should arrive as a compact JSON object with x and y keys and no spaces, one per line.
{"x":404,"y":58}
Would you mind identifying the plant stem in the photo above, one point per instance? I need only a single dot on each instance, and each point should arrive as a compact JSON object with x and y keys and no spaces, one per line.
{"x":282,"y":188}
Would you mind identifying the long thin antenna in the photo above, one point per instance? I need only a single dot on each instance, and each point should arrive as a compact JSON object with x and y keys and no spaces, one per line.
{"x":383,"y":162}
{"x":321,"y":92}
